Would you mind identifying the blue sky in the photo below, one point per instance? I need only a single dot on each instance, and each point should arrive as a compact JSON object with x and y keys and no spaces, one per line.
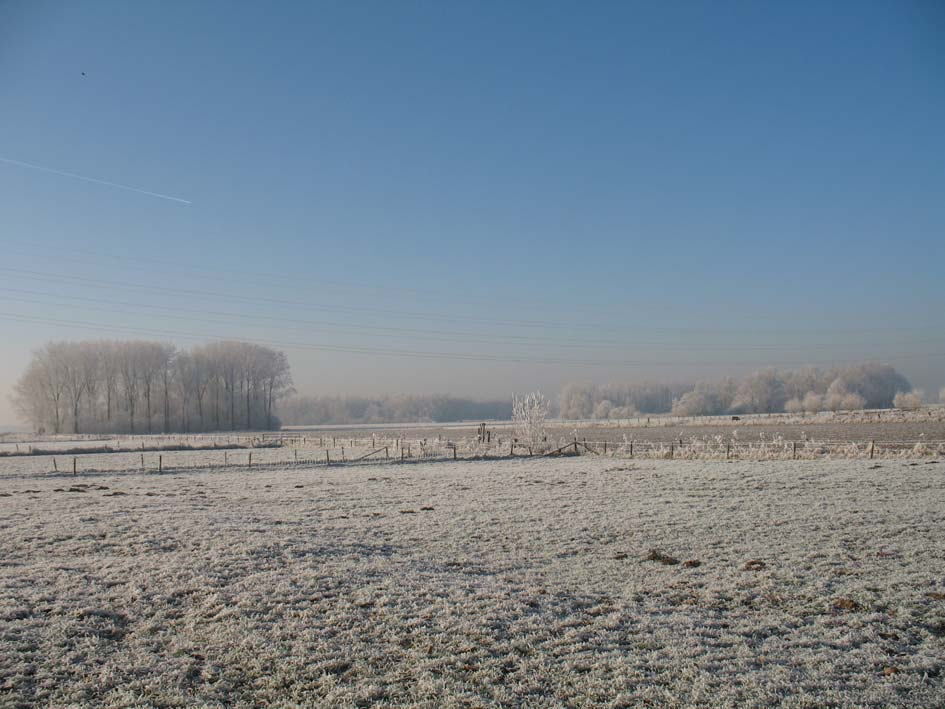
{"x":676,"y":181}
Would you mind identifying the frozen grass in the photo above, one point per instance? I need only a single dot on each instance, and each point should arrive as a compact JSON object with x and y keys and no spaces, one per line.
{"x":527,"y":582}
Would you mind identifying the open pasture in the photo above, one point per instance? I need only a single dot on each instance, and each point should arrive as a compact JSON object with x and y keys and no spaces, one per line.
{"x":580,"y":582}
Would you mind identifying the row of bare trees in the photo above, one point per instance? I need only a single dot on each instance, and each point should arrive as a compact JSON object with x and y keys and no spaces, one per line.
{"x":145,"y":387}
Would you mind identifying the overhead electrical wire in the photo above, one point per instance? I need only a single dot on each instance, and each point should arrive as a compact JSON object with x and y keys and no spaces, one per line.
{"x":266,"y":321}
{"x":429,"y":355}
{"x":189,"y":292}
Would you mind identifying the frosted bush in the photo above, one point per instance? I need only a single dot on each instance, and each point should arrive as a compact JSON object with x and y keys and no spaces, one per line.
{"x":853,"y":402}
{"x":910,"y":400}
{"x":794,"y":406}
{"x":813,"y":402}
{"x":623,"y":412}
{"x":603,"y":409}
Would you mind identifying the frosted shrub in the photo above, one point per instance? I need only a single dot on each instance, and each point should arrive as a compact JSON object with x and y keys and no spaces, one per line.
{"x":840,"y":398}
{"x":910,"y":400}
{"x":529,"y":414}
{"x":813,"y":402}
{"x":761,"y":392}
{"x":701,"y":401}
{"x":603,"y":409}
{"x":627,"y":412}
{"x":852,"y":402}
{"x":794,"y":406}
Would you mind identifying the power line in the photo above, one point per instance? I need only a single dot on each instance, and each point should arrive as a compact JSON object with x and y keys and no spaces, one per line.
{"x":406,"y":333}
{"x":437,"y":355}
{"x":272,"y":279}
{"x":121,"y":285}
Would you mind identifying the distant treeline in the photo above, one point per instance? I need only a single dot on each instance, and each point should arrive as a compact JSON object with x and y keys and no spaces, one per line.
{"x":871,"y":386}
{"x":143,"y":387}
{"x":319,"y":410}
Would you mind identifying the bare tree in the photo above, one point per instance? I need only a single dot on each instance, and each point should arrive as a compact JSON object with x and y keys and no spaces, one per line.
{"x":277,"y":380}
{"x":91,"y":364}
{"x":128,"y":363}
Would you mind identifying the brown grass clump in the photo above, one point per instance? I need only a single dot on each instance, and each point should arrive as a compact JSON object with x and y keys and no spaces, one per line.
{"x":661,"y":557}
{"x":846,"y":604}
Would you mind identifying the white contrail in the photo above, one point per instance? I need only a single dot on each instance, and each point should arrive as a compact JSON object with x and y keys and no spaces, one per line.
{"x":92,"y":179}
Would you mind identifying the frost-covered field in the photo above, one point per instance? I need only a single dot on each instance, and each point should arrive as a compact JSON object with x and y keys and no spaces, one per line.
{"x":525,"y":582}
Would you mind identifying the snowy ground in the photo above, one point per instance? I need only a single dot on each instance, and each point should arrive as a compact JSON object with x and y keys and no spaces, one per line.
{"x":522,"y":582}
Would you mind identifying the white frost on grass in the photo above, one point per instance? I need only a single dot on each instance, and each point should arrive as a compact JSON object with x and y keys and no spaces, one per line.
{"x":478,"y":584}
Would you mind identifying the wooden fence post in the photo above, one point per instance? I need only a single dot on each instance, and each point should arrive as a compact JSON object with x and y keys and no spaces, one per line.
{"x":160,"y":464}
{"x":728,"y":448}
{"x":872,"y":447}
{"x":142,"y":460}
{"x":327,"y":457}
{"x":54,"y":465}
{"x":250,"y":459}
{"x":73,"y":467}
{"x":794,"y":453}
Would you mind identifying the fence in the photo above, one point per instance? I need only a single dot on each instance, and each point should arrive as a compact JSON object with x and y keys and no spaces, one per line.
{"x":373,"y":451}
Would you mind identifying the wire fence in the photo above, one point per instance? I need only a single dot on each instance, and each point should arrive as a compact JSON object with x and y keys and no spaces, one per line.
{"x":324,"y":451}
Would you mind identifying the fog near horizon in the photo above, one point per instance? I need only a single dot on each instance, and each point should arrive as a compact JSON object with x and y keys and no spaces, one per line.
{"x":458,"y":201}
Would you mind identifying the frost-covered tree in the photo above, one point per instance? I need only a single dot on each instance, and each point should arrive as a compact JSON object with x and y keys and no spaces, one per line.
{"x":39,"y":394}
{"x":909,"y":400}
{"x":111,"y":386}
{"x":577,"y":401}
{"x":707,"y":399}
{"x":813,"y":402}
{"x":760,"y":393}
{"x":840,"y":398}
{"x":794,"y":406}
{"x":623,"y":412}
{"x":878,"y":384}
{"x":603,"y":409}
{"x":529,"y":414}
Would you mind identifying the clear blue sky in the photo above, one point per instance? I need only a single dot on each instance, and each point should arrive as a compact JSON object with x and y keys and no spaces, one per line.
{"x":651,"y":172}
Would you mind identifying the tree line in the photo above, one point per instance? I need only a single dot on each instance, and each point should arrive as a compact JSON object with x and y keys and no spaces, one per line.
{"x":148,"y":387}
{"x":869,"y":386}
{"x":319,"y":410}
